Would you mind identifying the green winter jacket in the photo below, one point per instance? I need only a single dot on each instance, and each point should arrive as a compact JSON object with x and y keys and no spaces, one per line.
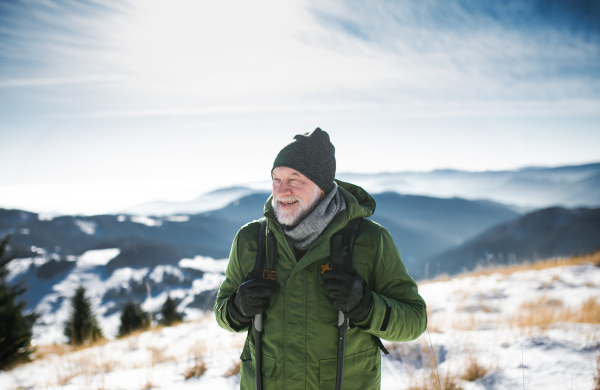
{"x":299,"y":343}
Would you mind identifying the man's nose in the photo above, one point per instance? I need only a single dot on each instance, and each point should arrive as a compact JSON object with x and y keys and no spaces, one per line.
{"x":283,"y":188}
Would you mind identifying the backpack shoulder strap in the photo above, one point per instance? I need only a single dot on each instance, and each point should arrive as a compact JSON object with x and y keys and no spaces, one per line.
{"x":342,"y":247}
{"x":266,"y":254}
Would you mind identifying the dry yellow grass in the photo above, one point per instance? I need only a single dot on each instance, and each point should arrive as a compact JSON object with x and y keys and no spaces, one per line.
{"x":433,"y":322}
{"x":82,"y":365}
{"x":159,"y":355}
{"x":234,"y":369}
{"x":196,"y":371}
{"x":538,"y":315}
{"x":429,"y":380}
{"x":593,"y":258}
{"x":597,"y":375}
{"x":420,"y":363}
{"x":473,"y":369}
{"x":589,"y":313}
{"x":199,"y":368}
{"x":465,"y":322}
{"x":43,"y":351}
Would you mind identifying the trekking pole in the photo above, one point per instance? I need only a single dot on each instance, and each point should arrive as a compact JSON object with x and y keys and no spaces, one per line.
{"x":343,"y":326}
{"x":257,"y":326}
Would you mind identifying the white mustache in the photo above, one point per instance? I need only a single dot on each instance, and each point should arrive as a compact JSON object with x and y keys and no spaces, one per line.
{"x":291,"y":198}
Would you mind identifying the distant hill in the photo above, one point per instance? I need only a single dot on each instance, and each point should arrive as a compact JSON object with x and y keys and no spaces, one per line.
{"x":213,"y":200}
{"x":423,"y":226}
{"x":533,"y":188}
{"x":207,"y":234}
{"x":528,"y":188}
{"x":547,"y":233}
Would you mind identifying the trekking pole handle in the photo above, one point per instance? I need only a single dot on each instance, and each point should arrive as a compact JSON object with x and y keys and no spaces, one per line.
{"x":258,"y":323}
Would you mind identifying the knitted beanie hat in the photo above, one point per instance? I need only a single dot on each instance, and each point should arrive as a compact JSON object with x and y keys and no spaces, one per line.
{"x":311,"y":154}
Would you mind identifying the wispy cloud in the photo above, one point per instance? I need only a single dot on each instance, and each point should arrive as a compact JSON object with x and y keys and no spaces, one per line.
{"x":15,"y":83}
{"x":463,"y":48}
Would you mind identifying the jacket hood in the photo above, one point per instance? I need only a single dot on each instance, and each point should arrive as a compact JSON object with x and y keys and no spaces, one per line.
{"x":358,"y":204}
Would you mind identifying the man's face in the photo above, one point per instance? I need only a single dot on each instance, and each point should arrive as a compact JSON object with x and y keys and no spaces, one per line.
{"x":294,"y":195}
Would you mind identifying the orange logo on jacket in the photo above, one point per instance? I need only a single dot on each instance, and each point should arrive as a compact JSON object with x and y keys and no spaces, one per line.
{"x":269,"y":274}
{"x":326,"y":267}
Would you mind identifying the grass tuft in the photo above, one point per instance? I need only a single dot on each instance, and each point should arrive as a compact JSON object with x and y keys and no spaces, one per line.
{"x":159,"y":355}
{"x":538,"y":315}
{"x":590,"y":311}
{"x":199,"y":368}
{"x":429,"y":381}
{"x":195,"y":372}
{"x":473,"y":369}
{"x":234,"y":369}
{"x":597,"y":375}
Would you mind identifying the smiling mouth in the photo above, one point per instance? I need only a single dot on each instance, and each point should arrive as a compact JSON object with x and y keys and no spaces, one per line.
{"x":288,"y":203}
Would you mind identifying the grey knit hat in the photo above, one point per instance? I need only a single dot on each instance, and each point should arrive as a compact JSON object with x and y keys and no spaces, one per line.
{"x":313,"y":155}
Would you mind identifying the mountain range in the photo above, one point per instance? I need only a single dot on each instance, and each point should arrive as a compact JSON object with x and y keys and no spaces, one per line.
{"x":146,"y":256}
{"x":530,"y":188}
{"x":525,"y":189}
{"x":548,"y":233}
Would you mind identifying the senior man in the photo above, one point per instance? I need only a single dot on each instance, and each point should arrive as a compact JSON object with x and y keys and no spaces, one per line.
{"x":302,"y":290}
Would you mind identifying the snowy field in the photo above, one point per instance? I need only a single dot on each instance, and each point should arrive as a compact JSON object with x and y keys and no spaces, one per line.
{"x":531,"y":329}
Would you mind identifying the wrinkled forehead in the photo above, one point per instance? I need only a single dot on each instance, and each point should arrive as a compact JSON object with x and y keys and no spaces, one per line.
{"x":282,"y":172}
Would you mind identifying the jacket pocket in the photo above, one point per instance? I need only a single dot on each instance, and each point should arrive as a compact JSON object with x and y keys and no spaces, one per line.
{"x":248,"y":369}
{"x":361,"y":371}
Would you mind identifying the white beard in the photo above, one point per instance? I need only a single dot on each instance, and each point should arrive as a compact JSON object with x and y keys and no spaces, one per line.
{"x":295,"y":216}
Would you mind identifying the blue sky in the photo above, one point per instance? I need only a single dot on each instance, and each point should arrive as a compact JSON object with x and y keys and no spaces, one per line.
{"x":107,"y":104}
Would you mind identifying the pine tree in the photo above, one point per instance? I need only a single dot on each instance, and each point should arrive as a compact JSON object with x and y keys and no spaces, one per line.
{"x":169,"y":312}
{"x":133,"y":317}
{"x":82,"y":326}
{"x":15,"y":327}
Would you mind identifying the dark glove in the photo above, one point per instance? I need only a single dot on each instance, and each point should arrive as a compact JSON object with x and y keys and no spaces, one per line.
{"x":252,"y":298}
{"x":348,"y":294}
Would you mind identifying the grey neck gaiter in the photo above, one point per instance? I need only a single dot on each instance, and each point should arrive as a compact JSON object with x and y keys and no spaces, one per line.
{"x":306,"y":232}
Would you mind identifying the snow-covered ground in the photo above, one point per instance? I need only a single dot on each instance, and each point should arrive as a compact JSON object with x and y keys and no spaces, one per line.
{"x":51,"y":298}
{"x":473,"y":319}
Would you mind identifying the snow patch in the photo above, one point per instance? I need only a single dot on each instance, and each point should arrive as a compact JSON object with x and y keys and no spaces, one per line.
{"x":39,"y":251}
{"x":97,"y":257}
{"x":158,"y":273}
{"x":209,"y":281}
{"x":178,"y":218}
{"x":19,"y":266}
{"x":205,"y":264}
{"x":121,"y":276}
{"x":46,"y":216}
{"x":88,"y":227}
{"x":146,"y":221}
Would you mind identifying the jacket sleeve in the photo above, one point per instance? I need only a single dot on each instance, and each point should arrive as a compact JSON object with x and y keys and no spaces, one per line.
{"x":398,"y":312}
{"x":234,"y":276}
